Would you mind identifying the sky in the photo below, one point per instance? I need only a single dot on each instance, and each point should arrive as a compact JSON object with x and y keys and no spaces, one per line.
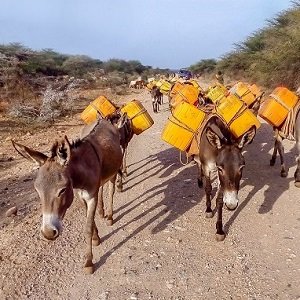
{"x":159,"y":33}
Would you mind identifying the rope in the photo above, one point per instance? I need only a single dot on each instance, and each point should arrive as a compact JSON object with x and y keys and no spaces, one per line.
{"x":180,"y":158}
{"x":233,"y":90}
{"x":138,"y":114}
{"x":199,"y":132}
{"x":238,"y":114}
{"x":287,"y":129}
{"x":182,"y":125}
{"x":277,"y":99}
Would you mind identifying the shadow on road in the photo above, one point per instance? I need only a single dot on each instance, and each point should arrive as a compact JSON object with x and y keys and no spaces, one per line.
{"x":180,"y":194}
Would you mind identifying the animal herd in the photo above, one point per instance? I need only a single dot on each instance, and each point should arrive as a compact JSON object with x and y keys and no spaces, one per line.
{"x":83,"y":166}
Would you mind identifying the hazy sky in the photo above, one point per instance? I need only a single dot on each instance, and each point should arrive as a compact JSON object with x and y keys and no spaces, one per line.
{"x":160,"y":33}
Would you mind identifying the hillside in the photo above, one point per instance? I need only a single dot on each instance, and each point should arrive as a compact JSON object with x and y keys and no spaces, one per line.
{"x":270,"y":56}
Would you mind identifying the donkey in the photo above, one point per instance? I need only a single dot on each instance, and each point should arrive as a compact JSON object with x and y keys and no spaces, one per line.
{"x":157,"y":98}
{"x":220,"y":150}
{"x":83,"y":167}
{"x":254,"y":107}
{"x":278,"y":147}
{"x":124,"y":124}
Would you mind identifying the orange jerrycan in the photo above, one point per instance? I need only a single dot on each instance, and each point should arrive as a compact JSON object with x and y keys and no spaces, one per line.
{"x":141,"y":120}
{"x":248,"y":94}
{"x":100,"y":105}
{"x":236,"y":115}
{"x":277,"y":106}
{"x":183,"y":125}
{"x":187,"y":93}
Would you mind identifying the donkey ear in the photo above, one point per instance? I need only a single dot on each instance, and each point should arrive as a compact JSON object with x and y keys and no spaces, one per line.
{"x":213,"y":138}
{"x":124,"y":118}
{"x":247,"y":137}
{"x":30,"y":154}
{"x":63,"y":151}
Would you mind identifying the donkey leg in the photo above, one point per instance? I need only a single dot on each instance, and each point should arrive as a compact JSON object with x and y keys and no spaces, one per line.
{"x":208,"y":190}
{"x":100,"y":203}
{"x":95,"y":238}
{"x":283,"y":171}
{"x":109,"y":210}
{"x":154,"y":106}
{"x":124,"y":165}
{"x":199,"y":171}
{"x":169,"y":102}
{"x":200,"y":177}
{"x":297,"y":136}
{"x":297,"y":172}
{"x":220,"y":235}
{"x":91,"y":209}
{"x":119,"y":180}
{"x":119,"y":183}
{"x":273,"y":159}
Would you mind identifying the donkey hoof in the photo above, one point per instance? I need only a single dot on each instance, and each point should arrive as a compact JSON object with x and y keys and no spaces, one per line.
{"x":109,"y":222}
{"x":96,"y":242}
{"x":297,"y":184}
{"x":209,"y":214}
{"x":272,"y":162}
{"x":89,"y":270}
{"x":220,"y":237}
{"x":283,"y":174}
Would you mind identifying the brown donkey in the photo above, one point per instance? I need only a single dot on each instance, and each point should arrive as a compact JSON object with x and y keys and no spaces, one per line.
{"x":157,"y":98}
{"x":220,"y":150}
{"x":124,"y":125}
{"x":83,"y":167}
{"x":278,"y":147}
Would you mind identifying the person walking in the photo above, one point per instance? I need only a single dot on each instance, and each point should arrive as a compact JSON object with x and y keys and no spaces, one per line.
{"x":220,"y":77}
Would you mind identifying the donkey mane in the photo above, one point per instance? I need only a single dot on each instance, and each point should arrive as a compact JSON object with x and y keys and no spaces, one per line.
{"x":76,"y":143}
{"x":59,"y":146}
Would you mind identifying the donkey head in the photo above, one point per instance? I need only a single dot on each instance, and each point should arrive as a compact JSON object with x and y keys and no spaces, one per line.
{"x":154,"y":91}
{"x":53,"y":184}
{"x":125,"y":127}
{"x":230,"y":163}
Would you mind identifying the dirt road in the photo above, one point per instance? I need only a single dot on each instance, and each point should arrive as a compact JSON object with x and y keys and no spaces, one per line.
{"x":161,"y":245}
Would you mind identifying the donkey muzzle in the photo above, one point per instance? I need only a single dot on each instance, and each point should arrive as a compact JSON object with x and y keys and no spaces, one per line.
{"x":231,"y":199}
{"x":50,"y":227}
{"x":50,"y":233}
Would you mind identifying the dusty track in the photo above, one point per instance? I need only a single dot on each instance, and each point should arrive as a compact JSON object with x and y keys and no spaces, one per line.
{"x":161,"y":246}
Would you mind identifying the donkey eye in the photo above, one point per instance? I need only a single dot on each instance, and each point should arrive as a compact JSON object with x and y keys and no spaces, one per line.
{"x":61,"y":192}
{"x":221,"y":170}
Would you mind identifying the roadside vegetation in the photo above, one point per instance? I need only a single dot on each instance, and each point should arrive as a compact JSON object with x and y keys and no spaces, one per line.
{"x":44,"y":85}
{"x":270,"y":56}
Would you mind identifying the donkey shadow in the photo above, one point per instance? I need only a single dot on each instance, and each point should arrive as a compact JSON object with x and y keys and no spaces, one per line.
{"x":180,"y":194}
